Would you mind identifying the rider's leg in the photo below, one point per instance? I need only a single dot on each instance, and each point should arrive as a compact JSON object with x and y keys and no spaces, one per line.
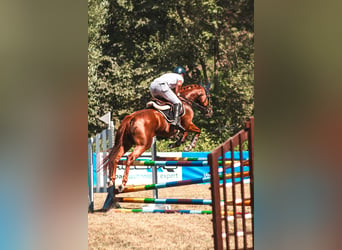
{"x":165,"y":92}
{"x":176,"y":122}
{"x":177,"y":104}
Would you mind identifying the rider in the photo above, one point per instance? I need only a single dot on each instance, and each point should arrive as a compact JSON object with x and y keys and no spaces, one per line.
{"x":163,"y":86}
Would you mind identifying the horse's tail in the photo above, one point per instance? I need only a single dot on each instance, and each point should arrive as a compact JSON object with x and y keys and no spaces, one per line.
{"x":108,"y":160}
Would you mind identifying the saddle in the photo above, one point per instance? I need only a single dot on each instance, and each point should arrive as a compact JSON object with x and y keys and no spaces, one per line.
{"x":165,"y":108}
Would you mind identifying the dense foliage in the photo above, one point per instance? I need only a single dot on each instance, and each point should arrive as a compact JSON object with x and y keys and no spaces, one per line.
{"x":133,"y":42}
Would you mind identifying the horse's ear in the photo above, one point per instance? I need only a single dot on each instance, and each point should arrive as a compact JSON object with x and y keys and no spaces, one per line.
{"x":207,"y":86}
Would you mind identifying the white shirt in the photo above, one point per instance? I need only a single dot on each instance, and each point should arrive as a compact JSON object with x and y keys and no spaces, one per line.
{"x":170,"y":79}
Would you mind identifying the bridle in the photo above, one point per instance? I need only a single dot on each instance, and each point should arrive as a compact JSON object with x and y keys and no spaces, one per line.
{"x":207,"y":109}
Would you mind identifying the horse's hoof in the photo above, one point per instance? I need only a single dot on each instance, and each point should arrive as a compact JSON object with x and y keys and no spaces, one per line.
{"x":121,"y":188}
{"x":116,"y":205}
{"x":171,"y":145}
{"x":187,"y":148}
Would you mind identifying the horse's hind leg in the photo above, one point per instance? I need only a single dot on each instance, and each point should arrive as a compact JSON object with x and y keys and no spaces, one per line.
{"x":120,"y":152}
{"x":138,"y":150}
{"x":112,"y":171}
{"x":114,"y":157}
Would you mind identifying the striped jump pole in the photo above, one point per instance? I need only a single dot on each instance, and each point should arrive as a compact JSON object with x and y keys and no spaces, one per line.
{"x":161,"y":158}
{"x":182,"y":158}
{"x":175,"y":201}
{"x":166,"y":211}
{"x":130,"y":189}
{"x":189,"y":158}
{"x":163,"y":201}
{"x":230,"y":214}
{"x":110,"y":197}
{"x":178,"y":163}
{"x":111,"y":190}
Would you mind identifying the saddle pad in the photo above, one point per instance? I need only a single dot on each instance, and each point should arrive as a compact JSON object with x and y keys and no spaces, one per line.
{"x":166,"y":109}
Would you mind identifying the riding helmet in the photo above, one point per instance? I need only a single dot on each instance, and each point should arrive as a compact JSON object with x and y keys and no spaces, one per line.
{"x":179,"y":70}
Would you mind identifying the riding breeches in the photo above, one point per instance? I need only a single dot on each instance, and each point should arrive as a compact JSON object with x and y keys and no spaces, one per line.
{"x":164,"y":91}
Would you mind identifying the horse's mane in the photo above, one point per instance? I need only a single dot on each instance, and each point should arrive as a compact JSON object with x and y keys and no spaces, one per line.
{"x":190,"y":87}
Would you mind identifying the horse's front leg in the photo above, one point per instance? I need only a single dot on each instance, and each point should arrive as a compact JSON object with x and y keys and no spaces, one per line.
{"x":180,"y":140}
{"x":197,"y":131}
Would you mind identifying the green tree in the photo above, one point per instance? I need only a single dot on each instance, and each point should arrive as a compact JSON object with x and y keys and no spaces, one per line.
{"x":97,"y":84}
{"x":136,"y":41}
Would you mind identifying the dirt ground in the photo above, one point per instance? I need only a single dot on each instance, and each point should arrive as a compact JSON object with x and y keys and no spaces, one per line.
{"x":114,"y":230}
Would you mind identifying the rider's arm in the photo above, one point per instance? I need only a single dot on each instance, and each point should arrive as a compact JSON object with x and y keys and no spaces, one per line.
{"x":178,"y":87}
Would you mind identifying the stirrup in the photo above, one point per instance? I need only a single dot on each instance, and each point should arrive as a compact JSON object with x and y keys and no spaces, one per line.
{"x":179,"y":127}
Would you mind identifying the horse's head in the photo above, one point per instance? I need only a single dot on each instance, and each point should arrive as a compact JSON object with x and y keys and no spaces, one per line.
{"x":199,"y":96}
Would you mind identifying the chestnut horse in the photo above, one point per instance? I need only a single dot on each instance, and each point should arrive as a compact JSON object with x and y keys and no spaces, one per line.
{"x":139,"y":128}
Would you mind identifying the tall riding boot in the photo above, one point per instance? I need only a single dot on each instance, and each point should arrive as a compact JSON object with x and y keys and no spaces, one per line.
{"x":176,"y":122}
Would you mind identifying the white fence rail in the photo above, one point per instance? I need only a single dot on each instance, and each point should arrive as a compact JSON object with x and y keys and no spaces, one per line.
{"x":101,"y":142}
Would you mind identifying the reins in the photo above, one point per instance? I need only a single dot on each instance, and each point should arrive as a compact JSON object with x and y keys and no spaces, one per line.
{"x":195,"y":104}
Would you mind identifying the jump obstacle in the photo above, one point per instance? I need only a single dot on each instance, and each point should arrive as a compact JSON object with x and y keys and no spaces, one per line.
{"x":230,"y":215}
{"x":129,"y":189}
{"x":243,"y":222}
{"x":195,"y":163}
{"x":223,"y":238}
{"x":165,"y":211}
{"x":111,"y":191}
{"x":173,"y":201}
{"x":105,"y":139}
